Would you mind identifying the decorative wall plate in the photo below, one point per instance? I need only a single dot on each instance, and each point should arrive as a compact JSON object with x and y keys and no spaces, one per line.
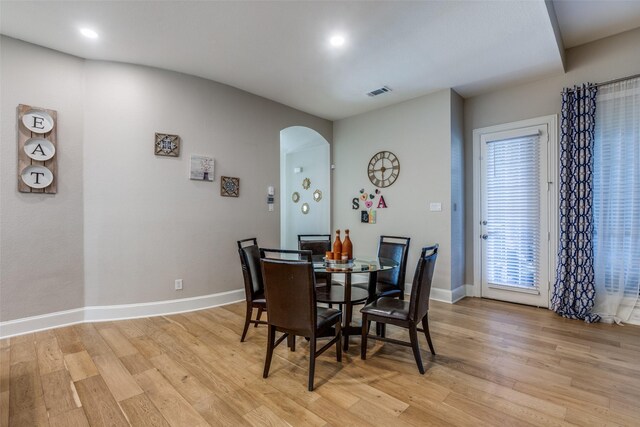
{"x":36,"y":176}
{"x":38,"y":121}
{"x":306,"y":183}
{"x":167,"y":145}
{"x":317,"y":195}
{"x":229,"y":187}
{"x":39,"y":149}
{"x":305,"y":208}
{"x":295,"y":197}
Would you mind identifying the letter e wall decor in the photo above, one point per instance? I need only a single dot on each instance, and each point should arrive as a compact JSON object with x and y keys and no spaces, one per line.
{"x":37,"y":150}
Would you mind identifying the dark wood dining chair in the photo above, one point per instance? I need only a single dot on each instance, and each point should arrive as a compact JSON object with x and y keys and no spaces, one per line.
{"x":319,"y":245}
{"x":291,"y":298}
{"x":390,"y":283}
{"x":253,"y":284}
{"x":406,"y":314}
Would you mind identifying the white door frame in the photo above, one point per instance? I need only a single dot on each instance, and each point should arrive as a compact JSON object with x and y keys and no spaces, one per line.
{"x":553,"y":178}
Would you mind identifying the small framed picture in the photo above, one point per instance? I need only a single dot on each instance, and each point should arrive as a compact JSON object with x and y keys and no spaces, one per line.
{"x":229,"y":186}
{"x":201,"y":168}
{"x":167,"y":145}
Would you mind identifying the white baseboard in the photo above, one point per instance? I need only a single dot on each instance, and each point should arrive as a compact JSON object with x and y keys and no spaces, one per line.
{"x":116,"y":312}
{"x":446,"y":295}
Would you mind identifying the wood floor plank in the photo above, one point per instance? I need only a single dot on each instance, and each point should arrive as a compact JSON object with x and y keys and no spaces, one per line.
{"x":141,"y":411}
{"x":98,"y":403}
{"x":136,"y":363}
{"x":26,"y":403}
{"x":186,"y":384}
{"x":80,"y":365}
{"x":4,"y":408}
{"x":120,"y":382}
{"x":5,"y":371}
{"x":73,"y":418}
{"x":174,"y":408}
{"x":263,"y":416}
{"x":68,"y":340}
{"x":119,"y":344}
{"x":92,"y":340}
{"x":50,"y":358}
{"x":59,"y":392}
{"x":497,"y":364}
{"x":220,"y":410}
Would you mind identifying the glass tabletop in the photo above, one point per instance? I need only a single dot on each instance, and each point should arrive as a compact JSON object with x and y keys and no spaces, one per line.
{"x":359,"y":265}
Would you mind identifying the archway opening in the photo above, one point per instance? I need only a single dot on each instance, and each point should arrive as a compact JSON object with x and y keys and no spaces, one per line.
{"x":305,"y":202}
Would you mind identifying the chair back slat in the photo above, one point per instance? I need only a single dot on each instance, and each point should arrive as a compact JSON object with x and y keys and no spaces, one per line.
{"x":318,"y":244}
{"x":250,"y":262}
{"x":421,"y":289}
{"x":397,"y":249}
{"x":290,"y":290}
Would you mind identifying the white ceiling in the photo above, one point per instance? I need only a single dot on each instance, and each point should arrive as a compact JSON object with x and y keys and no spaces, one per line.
{"x":583,"y":21}
{"x":280,"y":50}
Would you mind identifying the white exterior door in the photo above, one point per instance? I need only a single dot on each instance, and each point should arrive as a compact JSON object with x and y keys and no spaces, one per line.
{"x":515,"y":226}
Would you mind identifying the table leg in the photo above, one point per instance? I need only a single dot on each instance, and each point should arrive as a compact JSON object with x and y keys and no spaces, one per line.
{"x":348,"y":310}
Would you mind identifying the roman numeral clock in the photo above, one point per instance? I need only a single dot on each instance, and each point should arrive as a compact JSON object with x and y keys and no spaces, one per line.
{"x":384,"y":168}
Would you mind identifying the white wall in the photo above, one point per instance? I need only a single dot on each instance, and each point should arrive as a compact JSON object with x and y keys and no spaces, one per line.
{"x":41,"y":235}
{"x":610,"y":58}
{"x":125,"y":223}
{"x":419,"y":132}
{"x":457,"y":190}
{"x":315,"y":164}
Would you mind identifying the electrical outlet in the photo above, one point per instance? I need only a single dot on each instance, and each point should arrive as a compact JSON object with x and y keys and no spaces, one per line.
{"x":178,"y":284}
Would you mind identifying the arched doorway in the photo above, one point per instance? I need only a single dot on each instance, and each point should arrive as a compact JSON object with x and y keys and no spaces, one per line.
{"x":304,"y":155}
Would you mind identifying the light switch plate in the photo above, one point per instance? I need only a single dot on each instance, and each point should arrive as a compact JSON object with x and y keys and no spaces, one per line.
{"x":435,"y":206}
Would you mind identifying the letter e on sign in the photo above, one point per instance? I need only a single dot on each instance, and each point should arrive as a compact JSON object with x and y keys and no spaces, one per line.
{"x":38,"y":121}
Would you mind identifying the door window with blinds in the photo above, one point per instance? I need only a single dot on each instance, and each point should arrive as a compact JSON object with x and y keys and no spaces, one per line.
{"x":513,"y":212}
{"x":513,"y":197}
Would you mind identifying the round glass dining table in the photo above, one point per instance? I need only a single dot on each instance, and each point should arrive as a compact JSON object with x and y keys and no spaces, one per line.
{"x":349,"y":295}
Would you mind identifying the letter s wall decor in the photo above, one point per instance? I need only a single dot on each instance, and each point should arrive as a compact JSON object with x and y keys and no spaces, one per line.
{"x":37,"y":150}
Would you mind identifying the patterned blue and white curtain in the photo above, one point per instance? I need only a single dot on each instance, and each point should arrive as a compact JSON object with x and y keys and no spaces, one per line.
{"x":574,"y":290}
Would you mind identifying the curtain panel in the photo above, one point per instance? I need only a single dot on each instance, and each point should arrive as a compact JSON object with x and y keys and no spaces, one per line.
{"x":574,"y":289}
{"x":617,"y":200}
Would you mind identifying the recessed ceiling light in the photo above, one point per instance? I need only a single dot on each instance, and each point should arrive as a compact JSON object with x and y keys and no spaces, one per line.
{"x":88,"y":33}
{"x":336,"y":40}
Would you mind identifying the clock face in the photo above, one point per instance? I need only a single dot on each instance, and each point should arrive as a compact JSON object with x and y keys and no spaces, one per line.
{"x":384,"y":168}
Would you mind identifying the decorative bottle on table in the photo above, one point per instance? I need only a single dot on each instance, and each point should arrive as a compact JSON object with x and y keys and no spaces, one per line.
{"x":347,"y":246}
{"x":337,"y":246}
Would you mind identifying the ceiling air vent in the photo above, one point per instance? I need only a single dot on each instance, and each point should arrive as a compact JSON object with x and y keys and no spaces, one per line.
{"x":383,"y":89}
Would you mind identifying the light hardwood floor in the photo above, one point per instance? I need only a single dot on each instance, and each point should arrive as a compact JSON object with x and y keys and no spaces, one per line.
{"x":497,"y":364}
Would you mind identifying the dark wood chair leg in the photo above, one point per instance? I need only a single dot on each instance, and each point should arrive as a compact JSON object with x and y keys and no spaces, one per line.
{"x":413,"y":334}
{"x":312,"y":361}
{"x":383,"y":330}
{"x":339,"y":342}
{"x":365,"y":331}
{"x":271,"y":339}
{"x":291,"y":342}
{"x":425,"y":326}
{"x":246,"y":322}
{"x":259,"y":316}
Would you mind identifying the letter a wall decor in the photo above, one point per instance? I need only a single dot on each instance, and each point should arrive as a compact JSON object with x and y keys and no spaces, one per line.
{"x":37,"y":150}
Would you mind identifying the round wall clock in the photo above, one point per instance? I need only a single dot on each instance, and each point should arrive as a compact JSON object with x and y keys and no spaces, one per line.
{"x":384,"y":168}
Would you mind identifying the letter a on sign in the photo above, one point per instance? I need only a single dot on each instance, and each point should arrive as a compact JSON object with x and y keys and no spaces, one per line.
{"x":381,"y":203}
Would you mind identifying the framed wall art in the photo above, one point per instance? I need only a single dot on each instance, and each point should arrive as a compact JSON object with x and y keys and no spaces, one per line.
{"x":37,"y":148}
{"x":167,"y":145}
{"x":201,"y":168}
{"x":229,"y":186}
